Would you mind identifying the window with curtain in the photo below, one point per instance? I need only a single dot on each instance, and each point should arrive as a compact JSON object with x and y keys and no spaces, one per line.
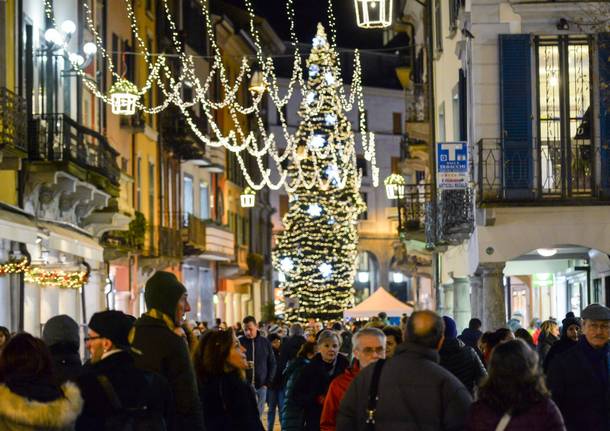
{"x":204,"y":201}
{"x":188,"y":198}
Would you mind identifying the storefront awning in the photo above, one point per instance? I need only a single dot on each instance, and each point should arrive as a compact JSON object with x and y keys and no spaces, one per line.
{"x":70,"y":241}
{"x":17,"y":227}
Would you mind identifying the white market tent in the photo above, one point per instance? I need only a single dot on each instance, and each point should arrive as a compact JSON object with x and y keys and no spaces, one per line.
{"x":379,"y":301}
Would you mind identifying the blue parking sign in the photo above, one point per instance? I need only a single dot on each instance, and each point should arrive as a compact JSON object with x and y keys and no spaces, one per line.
{"x":452,"y":165}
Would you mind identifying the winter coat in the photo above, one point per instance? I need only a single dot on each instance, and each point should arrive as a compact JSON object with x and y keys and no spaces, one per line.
{"x":415,"y":393}
{"x":311,"y":388}
{"x":288,"y":351}
{"x":66,"y":361}
{"x":462,"y":362}
{"x":62,"y":335}
{"x":471,"y":337}
{"x":542,"y":416}
{"x":277,"y":382}
{"x":336,"y":392}
{"x":544,"y":345}
{"x":259,"y":350}
{"x":578,"y":380}
{"x":563,"y":345}
{"x":292,"y":414}
{"x":165,"y":353}
{"x":229,"y":404}
{"x":39,"y":408}
{"x":134,"y":388}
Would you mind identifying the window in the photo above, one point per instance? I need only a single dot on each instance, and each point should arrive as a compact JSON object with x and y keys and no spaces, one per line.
{"x":204,"y":201}
{"x":420,"y":176}
{"x":438,"y":24}
{"x":115,"y":55}
{"x":139,"y":184}
{"x":151,"y":191}
{"x":362,"y":166}
{"x":283,"y":205}
{"x":454,"y":13}
{"x":188,"y":198}
{"x":364,"y":215}
{"x":149,"y":6}
{"x":397,"y":123}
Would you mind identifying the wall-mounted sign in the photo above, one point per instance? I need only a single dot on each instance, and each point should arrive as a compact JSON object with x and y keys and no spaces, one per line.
{"x":452,"y":165}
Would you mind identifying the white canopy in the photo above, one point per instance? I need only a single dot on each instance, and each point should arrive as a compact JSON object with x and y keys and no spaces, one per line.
{"x":379,"y":301}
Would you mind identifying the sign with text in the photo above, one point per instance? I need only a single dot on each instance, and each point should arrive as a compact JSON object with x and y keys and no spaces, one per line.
{"x":452,"y":165}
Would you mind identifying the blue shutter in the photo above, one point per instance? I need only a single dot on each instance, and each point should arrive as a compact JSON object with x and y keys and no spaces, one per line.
{"x":516,"y":113}
{"x":603,"y":45}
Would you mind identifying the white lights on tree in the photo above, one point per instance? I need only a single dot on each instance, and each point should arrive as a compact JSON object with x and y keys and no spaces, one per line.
{"x":123,"y":97}
{"x":319,"y":41}
{"x":330,"y":119}
{"x":373,"y":13}
{"x":314,"y":210}
{"x":325,"y":269}
{"x":395,"y":186}
{"x":281,"y":277}
{"x":286,"y":264}
{"x":333,"y":173}
{"x":248,"y":198}
{"x":329,"y":78}
{"x":310,"y":98}
{"x":317,"y":142}
{"x":314,"y":69}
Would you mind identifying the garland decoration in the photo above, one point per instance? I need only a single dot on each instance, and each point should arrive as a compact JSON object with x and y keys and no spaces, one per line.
{"x":57,"y":278}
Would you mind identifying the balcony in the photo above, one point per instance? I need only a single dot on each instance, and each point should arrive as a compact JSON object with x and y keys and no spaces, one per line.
{"x":539,"y":173}
{"x":412,"y":210}
{"x":178,"y":135}
{"x":241,"y":254}
{"x":13,"y":121}
{"x":207,"y":239}
{"x":193,"y":235}
{"x":170,"y":242}
{"x":79,"y":150}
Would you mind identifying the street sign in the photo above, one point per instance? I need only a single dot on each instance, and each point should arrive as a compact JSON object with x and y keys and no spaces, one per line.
{"x":452,"y":165}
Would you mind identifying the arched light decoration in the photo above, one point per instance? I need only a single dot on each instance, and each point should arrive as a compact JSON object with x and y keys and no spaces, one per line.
{"x":394,"y":186}
{"x":373,"y":13}
{"x":248,"y":198}
{"x":123,"y":97}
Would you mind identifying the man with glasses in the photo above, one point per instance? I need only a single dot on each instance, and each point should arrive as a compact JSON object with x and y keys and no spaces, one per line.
{"x":368,"y":346}
{"x":578,"y":378}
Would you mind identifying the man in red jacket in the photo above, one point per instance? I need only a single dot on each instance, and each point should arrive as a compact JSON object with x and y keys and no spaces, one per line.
{"x":368,"y":346}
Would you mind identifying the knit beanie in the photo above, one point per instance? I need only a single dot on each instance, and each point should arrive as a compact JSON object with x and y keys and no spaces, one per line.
{"x":450,"y":328}
{"x":61,"y":329}
{"x":163,"y":291}
{"x":114,"y":325}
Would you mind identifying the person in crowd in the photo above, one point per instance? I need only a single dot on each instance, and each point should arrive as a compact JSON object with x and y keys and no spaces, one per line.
{"x":312,"y":385}
{"x":292,"y":414}
{"x":62,"y":337}
{"x":275,"y":391}
{"x":157,"y":335}
{"x":514,"y":392}
{"x":578,"y":378}
{"x":290,"y":347}
{"x":346,"y":338}
{"x":501,"y":335}
{"x":5,"y":335}
{"x":461,"y":360}
{"x":112,"y":375}
{"x":369,"y":345}
{"x":414,"y":391}
{"x":30,"y":398}
{"x":217,"y":323}
{"x":229,"y":403}
{"x":261,"y":360}
{"x":534,"y":329}
{"x":513,"y":324}
{"x":383,"y":316}
{"x":471,"y":335}
{"x":549,"y":335}
{"x":310,"y":335}
{"x":524,"y":335}
{"x":570,"y":332}
{"x":203,"y":326}
{"x":393,"y":337}
{"x":239,"y":331}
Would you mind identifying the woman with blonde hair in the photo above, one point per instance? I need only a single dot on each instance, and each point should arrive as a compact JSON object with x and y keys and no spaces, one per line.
{"x":228,"y":401}
{"x":549,"y":335}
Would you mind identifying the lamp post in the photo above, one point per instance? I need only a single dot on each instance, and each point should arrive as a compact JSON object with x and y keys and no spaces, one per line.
{"x":395,"y":189}
{"x":373,"y":13}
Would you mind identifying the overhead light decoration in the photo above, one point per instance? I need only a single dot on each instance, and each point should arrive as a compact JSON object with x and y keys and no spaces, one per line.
{"x":123,"y":97}
{"x":373,"y":13}
{"x":395,"y":186}
{"x":546,"y":252}
{"x":248,"y":198}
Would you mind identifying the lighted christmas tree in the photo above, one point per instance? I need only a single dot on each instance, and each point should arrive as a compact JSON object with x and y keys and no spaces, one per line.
{"x":316,"y":253}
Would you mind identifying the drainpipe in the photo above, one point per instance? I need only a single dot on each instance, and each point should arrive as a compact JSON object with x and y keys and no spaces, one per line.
{"x":24,"y":252}
{"x":82,"y":291}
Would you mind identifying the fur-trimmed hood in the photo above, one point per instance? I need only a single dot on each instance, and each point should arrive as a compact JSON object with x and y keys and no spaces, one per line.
{"x":18,"y":413}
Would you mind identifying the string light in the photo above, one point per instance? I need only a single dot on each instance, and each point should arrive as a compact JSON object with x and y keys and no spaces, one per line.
{"x":43,"y":277}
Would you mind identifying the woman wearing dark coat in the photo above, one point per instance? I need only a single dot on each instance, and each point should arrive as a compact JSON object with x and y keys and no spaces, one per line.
{"x":514,"y":386}
{"x":312,"y":385}
{"x":228,"y":402}
{"x":570,"y":332}
{"x":292,"y":414}
{"x":549,"y":335}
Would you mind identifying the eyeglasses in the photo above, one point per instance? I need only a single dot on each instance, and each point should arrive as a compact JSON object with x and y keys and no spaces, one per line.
{"x":92,"y":338}
{"x":598,"y":326}
{"x":370,"y":350}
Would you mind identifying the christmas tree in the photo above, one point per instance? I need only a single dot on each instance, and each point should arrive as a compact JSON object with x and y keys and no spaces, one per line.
{"x":316,"y":253}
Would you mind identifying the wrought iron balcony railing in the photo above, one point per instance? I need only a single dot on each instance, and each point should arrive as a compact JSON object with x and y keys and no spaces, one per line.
{"x":58,"y":138}
{"x":412,"y":207}
{"x":13,"y":120}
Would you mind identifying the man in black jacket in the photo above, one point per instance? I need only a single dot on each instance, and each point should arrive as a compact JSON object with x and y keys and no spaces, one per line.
{"x":414,"y":391}
{"x":157,"y":335}
{"x":290,"y":347}
{"x":261,"y":359}
{"x":111,"y":384}
{"x":461,"y":360}
{"x":578,"y":378}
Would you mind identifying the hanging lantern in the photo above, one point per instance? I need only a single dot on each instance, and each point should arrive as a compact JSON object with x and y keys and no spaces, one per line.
{"x":123,"y":97}
{"x":395,"y":186}
{"x":257,"y":82}
{"x":373,"y":13}
{"x":248,"y":198}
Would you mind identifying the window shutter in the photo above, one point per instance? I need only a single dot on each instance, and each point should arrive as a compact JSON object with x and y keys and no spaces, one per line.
{"x":516,"y":114}
{"x":603,"y":49}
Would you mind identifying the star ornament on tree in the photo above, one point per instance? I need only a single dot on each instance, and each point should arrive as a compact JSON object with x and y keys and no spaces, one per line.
{"x":310,"y":98}
{"x":329,"y":78}
{"x":314,"y":69}
{"x":320,"y":40}
{"x":317,"y":142}
{"x":314,"y":210}
{"x":333,"y":173}
{"x":286,"y":264}
{"x":330,"y":119}
{"x":326,"y":270}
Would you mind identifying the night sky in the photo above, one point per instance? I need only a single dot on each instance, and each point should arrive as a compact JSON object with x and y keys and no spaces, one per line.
{"x":308,"y":13}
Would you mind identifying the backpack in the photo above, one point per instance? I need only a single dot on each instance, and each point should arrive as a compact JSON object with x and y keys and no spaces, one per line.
{"x":138,"y":418}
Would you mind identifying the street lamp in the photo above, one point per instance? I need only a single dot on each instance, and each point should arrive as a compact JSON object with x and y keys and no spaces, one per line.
{"x":123,"y":97}
{"x":257,"y":82}
{"x":248,"y":198}
{"x":395,"y":186}
{"x":373,"y":13}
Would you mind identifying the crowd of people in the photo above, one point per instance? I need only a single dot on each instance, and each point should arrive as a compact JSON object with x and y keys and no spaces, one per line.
{"x":161,"y":373}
